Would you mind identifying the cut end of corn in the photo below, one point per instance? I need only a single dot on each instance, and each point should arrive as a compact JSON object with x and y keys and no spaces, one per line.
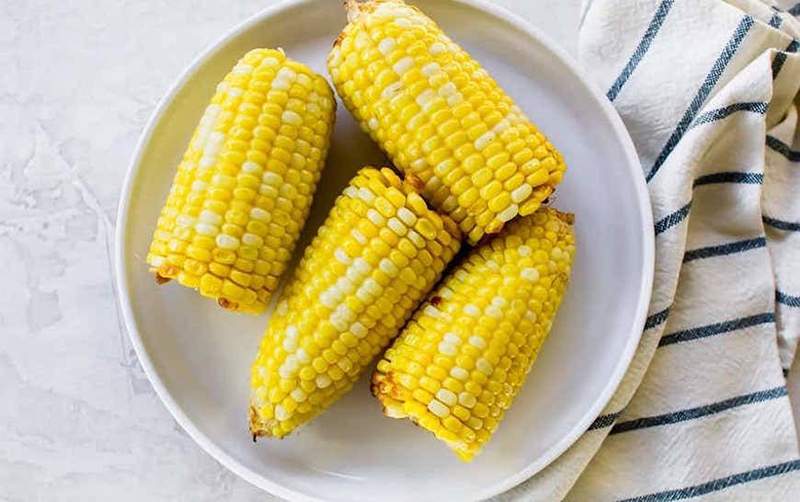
{"x":458,"y":364}
{"x":440,"y":116}
{"x":244,"y":186}
{"x":377,"y":255}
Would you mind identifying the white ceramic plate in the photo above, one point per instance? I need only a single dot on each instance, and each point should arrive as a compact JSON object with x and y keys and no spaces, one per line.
{"x":198,"y":356}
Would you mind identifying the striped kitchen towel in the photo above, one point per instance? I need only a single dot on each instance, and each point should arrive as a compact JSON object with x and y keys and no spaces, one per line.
{"x":709,"y":92}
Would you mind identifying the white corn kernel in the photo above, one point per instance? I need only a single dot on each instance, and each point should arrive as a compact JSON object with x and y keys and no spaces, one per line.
{"x":493,"y":312}
{"x":387,"y":45}
{"x":483,"y":141}
{"x":407,"y":216}
{"x":499,"y":301}
{"x":438,"y":409}
{"x":206,"y":229}
{"x":298,"y":395}
{"x":467,"y":400}
{"x":431,"y":69}
{"x":459,"y":373}
{"x":226,"y":241}
{"x":447,"y":349}
{"x":366,"y":195}
{"x":252,"y":240}
{"x":358,"y":330}
{"x":272,"y":179}
{"x":397,"y":227}
{"x":187,"y":221}
{"x":521,"y":193}
{"x":447,"y":397}
{"x":472,"y":310}
{"x":477,"y":341}
{"x":259,"y":214}
{"x":392,"y":90}
{"x":359,"y":237}
{"x":452,"y":338}
{"x":437,"y":48}
{"x":281,"y":413}
{"x":342,"y":257}
{"x":484,"y":366}
{"x":388,"y":267}
{"x":433,"y":311}
{"x":530,"y":274}
{"x":251,"y":168}
{"x":376,"y":218}
{"x":509,"y":213}
{"x":291,"y":118}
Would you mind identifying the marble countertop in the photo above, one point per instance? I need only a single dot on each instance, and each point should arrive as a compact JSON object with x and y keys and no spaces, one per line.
{"x":78,"y":418}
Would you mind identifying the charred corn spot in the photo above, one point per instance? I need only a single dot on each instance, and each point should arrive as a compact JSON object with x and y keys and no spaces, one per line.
{"x":253,"y":160}
{"x":349,"y":296}
{"x":478,"y":333}
{"x":441,"y":117}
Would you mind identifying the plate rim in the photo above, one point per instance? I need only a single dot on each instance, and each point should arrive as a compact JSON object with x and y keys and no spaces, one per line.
{"x":260,"y":480}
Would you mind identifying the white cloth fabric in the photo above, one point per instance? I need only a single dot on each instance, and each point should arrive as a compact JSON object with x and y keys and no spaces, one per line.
{"x":709,"y":92}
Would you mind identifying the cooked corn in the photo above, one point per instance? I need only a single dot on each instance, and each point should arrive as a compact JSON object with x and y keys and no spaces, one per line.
{"x":463,"y":357}
{"x":378,"y":254}
{"x":244,"y":186}
{"x":440,"y":116}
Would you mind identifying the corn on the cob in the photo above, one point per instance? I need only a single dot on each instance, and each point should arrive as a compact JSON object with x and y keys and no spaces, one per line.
{"x":378,"y":254}
{"x":243,"y":189}
{"x":462,"y":358}
{"x":440,"y":116}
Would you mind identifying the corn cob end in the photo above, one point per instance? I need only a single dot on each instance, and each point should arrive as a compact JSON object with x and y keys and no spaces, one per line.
{"x":160,"y":279}
{"x":355,"y":8}
{"x":260,"y":427}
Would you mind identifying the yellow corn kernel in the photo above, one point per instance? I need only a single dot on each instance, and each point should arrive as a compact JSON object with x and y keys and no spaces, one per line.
{"x":348,"y":298}
{"x":440,"y":116}
{"x":231,"y":183}
{"x":499,"y":304}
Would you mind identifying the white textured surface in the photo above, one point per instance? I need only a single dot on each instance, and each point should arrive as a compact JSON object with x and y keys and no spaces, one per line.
{"x":78,"y":419}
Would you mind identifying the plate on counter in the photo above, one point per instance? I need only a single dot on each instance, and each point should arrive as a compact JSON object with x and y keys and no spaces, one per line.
{"x":198,"y":356}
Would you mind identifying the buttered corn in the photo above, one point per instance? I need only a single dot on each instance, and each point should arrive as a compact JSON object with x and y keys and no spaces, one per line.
{"x":378,"y":254}
{"x":440,"y":116}
{"x":462,"y":358}
{"x":243,"y":189}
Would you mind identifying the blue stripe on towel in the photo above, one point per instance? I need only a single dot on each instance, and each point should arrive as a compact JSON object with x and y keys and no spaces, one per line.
{"x":641,"y":49}
{"x":724,"y":249}
{"x":716,"y":328}
{"x":730,"y":177}
{"x":673,"y":219}
{"x":702,"y":94}
{"x":780,"y":58}
{"x":783,"y":149}
{"x":719,"y":484}
{"x":720,"y":113}
{"x":788,"y":300}
{"x":604,"y":421}
{"x":700,"y":411}
{"x":775,"y":21}
{"x":787,"y":226}
{"x":656,"y":319}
